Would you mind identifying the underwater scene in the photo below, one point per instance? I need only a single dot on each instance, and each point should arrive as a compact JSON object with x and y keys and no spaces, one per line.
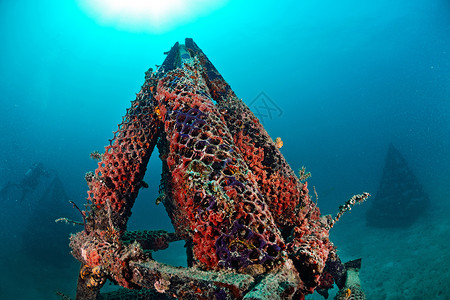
{"x":225,"y":149}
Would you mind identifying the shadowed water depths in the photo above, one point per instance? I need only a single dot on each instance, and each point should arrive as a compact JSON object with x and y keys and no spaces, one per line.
{"x":348,"y":78}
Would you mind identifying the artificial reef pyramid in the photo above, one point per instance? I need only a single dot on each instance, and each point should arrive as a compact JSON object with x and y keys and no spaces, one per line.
{"x":400,"y":199}
{"x":250,"y":226}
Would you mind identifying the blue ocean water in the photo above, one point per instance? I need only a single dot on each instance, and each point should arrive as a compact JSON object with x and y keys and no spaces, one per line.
{"x":337,"y":81}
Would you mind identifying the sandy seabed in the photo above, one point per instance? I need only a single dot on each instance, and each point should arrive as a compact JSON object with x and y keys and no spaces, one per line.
{"x":400,"y":263}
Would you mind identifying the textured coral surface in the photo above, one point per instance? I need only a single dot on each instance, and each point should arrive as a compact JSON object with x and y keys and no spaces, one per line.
{"x":226,"y":186}
{"x":215,"y":195}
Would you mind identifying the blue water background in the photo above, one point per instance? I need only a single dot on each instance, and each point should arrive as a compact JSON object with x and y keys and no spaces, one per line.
{"x":346,"y":79}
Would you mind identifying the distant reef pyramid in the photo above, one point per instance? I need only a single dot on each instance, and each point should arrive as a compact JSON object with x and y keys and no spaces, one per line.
{"x":400,"y":199}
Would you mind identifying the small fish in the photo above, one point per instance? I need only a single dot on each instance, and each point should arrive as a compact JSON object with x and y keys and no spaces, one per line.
{"x":158,"y":113}
{"x":279,"y":142}
{"x":160,"y":198}
{"x":95,"y":155}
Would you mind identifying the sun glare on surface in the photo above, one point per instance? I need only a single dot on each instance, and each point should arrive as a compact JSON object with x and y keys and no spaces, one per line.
{"x":155,"y":16}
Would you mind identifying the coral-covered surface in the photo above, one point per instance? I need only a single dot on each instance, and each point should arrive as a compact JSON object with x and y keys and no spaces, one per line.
{"x":116,"y":182}
{"x":213,"y":192}
{"x":297,"y":217}
{"x":225,"y":185}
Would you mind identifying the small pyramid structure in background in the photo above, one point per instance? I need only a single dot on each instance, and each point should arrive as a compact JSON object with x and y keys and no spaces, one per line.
{"x":400,"y":199}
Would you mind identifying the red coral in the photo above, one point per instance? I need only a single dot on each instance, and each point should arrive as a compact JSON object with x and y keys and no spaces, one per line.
{"x":226,"y":186}
{"x":92,"y":258}
{"x":120,"y":172}
{"x":326,"y":281}
{"x":207,"y":175}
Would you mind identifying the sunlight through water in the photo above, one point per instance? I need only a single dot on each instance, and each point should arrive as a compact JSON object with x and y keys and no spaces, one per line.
{"x":155,"y":16}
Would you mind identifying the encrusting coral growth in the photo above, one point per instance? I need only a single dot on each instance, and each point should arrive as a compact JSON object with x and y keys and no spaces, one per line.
{"x":249,"y":224}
